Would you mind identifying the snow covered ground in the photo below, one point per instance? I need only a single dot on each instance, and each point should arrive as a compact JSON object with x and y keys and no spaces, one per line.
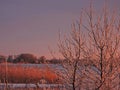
{"x":43,"y":86}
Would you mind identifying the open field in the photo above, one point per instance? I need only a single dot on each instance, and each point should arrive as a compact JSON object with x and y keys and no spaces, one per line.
{"x":20,"y":74}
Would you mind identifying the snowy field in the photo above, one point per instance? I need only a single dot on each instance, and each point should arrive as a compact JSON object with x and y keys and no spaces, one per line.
{"x":32,"y":86}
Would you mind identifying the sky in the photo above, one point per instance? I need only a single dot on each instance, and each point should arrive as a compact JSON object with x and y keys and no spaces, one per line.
{"x":31,"y":26}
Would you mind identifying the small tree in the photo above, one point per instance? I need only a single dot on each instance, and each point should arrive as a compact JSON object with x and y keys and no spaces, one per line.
{"x":72,"y":48}
{"x":42,"y":59}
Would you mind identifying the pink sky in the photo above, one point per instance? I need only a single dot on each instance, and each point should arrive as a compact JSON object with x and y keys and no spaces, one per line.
{"x":31,"y":26}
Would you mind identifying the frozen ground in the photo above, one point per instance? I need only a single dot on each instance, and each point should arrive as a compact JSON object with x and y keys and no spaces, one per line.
{"x":32,"y":86}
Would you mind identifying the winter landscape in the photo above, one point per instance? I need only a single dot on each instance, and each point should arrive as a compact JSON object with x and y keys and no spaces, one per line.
{"x":59,"y":45}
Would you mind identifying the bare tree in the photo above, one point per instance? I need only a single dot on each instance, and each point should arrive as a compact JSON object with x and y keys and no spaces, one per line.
{"x":72,"y":48}
{"x":92,"y":65}
{"x":104,"y":37}
{"x":6,"y":74}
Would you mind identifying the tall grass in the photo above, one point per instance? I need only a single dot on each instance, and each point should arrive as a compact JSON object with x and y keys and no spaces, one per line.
{"x":22,"y":74}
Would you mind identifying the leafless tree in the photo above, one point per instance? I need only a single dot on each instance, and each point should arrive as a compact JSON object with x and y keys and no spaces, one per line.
{"x":104,"y":36}
{"x":92,"y":61}
{"x":6,"y":74}
{"x":72,"y":48}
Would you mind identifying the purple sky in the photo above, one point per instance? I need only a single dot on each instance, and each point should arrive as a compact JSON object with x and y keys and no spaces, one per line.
{"x":30,"y":26}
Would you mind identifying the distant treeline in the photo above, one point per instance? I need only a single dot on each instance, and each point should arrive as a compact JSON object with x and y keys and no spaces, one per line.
{"x":28,"y":58}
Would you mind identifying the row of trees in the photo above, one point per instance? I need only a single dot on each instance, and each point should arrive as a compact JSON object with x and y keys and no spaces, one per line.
{"x":92,"y":52}
{"x":28,"y":58}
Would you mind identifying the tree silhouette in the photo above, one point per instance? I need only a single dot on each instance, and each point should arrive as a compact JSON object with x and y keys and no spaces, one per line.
{"x":92,"y":61}
{"x":26,"y":58}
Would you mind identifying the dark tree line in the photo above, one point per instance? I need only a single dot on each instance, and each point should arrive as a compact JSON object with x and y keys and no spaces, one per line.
{"x":28,"y":58}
